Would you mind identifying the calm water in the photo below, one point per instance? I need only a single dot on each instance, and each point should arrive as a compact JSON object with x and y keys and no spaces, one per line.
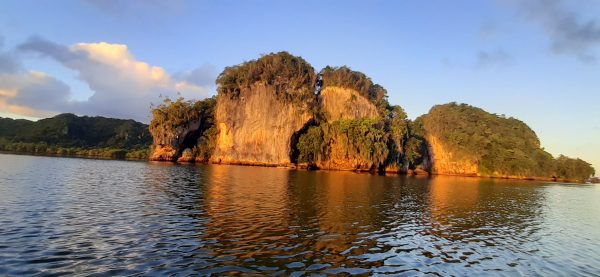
{"x":63,"y":215}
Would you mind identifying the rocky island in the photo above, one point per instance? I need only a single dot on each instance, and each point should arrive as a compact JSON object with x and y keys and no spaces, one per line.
{"x":278,"y":111}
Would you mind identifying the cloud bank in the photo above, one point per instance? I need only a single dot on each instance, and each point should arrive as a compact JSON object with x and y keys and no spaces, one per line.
{"x":569,"y":32}
{"x":122,"y":86}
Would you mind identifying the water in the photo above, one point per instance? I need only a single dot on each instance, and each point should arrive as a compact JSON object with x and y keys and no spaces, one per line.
{"x":79,"y":216}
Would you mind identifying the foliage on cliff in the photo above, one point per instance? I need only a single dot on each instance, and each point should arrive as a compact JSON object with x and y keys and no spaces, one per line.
{"x":205,"y":145}
{"x":365,"y":139}
{"x":413,"y":142}
{"x":311,"y":146}
{"x":347,"y":78}
{"x":170,"y":115}
{"x":362,"y":140}
{"x":397,"y":126}
{"x":387,"y":141}
{"x":501,"y":146}
{"x":292,"y":77}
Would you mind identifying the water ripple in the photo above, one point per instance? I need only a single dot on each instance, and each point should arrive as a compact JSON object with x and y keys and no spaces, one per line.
{"x":61,"y":216}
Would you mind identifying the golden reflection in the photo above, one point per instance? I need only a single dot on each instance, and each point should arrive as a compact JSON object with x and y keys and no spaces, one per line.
{"x":348,"y":207}
{"x":257,"y":211}
{"x":452,"y":194}
{"x":452,"y":198}
{"x":461,"y":206}
{"x":246,"y":208}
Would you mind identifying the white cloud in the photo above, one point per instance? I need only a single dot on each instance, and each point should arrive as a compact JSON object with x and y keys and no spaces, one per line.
{"x":32,"y":94}
{"x":122,"y":86}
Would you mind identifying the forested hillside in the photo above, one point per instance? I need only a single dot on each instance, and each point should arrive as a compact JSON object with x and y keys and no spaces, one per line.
{"x":495,"y":145}
{"x":68,"y":134}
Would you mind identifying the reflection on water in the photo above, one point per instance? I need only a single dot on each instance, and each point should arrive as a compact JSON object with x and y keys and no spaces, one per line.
{"x":61,"y":215}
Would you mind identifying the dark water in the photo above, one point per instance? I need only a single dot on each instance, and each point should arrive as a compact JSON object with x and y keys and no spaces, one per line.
{"x":78,"y":216}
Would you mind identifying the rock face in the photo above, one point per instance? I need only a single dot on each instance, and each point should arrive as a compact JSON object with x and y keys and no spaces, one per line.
{"x":444,"y":162}
{"x":163,"y":153}
{"x":169,"y":145}
{"x":257,"y":127}
{"x":342,"y":103}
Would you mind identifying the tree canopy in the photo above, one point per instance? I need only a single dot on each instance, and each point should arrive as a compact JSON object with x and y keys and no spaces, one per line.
{"x":170,"y":115}
{"x":69,"y":130}
{"x":291,"y":76}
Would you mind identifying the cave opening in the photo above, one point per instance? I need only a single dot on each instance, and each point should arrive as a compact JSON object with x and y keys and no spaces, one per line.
{"x":294,"y":152}
{"x":189,"y":140}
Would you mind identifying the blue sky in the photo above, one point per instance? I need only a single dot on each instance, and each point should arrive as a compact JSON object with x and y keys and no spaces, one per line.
{"x":537,"y":60}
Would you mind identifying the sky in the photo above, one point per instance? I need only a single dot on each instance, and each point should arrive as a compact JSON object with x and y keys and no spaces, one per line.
{"x":536,"y":60}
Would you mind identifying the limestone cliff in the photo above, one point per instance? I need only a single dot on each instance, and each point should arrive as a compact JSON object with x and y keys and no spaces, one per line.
{"x":445,"y":161}
{"x":257,"y":127}
{"x":262,"y":107}
{"x":338,"y":103}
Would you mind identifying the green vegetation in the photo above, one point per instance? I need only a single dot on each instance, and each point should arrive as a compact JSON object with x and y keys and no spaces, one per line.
{"x":501,"y":146}
{"x":397,"y":126}
{"x":416,"y":146}
{"x":172,"y":122}
{"x":573,"y":169}
{"x":45,"y":149}
{"x":69,"y":130}
{"x":345,"y":77}
{"x":170,"y":115}
{"x":206,"y":144}
{"x":70,"y":135}
{"x":386,"y":142}
{"x":292,"y":77}
{"x":363,"y":138}
{"x":311,"y":146}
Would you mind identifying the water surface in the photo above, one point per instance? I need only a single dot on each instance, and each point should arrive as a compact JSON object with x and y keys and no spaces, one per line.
{"x":82,"y":216}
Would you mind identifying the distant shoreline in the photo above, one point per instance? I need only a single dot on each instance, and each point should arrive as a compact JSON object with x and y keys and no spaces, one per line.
{"x":94,"y":157}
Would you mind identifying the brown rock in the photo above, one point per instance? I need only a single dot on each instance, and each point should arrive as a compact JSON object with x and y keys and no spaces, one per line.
{"x":445,"y":162}
{"x":163,"y":153}
{"x":342,"y":103}
{"x":257,"y":127}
